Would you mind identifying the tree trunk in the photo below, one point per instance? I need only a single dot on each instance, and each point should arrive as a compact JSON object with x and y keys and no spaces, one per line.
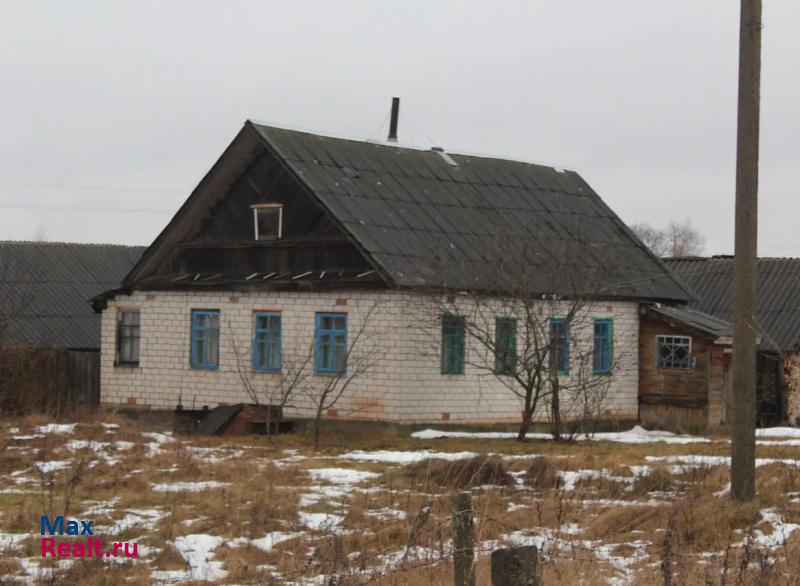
{"x":317,"y":421}
{"x":525,"y":425}
{"x":556,"y":406}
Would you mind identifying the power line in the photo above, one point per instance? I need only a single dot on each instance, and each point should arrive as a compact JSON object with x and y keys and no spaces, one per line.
{"x":89,"y":187}
{"x":65,"y":208}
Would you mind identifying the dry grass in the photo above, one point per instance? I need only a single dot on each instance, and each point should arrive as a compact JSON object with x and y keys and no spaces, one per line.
{"x":395,"y":528}
{"x":460,"y":474}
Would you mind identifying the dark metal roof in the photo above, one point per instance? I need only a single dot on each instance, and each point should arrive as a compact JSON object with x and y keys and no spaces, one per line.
{"x":475,"y":225}
{"x":778,"y":298}
{"x":50,"y":285}
{"x":713,"y":326}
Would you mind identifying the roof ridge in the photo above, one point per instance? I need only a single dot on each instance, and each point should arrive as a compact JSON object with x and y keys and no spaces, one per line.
{"x":64,"y":243}
{"x":408,"y":146}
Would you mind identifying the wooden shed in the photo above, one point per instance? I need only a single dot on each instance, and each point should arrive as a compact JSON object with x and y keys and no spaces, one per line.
{"x":684,"y":369}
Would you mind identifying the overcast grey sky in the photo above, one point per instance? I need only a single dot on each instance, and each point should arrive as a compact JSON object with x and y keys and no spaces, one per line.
{"x":639,"y":96}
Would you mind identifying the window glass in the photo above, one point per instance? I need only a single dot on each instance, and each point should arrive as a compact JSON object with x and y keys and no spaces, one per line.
{"x":453,"y":329}
{"x":128,"y":337}
{"x":505,"y":345}
{"x":205,"y":338}
{"x":268,"y":222}
{"x":674,"y":352}
{"x":331,"y":343}
{"x":267,"y":342}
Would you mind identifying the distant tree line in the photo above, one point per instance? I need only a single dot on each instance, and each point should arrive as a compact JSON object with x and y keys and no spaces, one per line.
{"x":677,"y":239}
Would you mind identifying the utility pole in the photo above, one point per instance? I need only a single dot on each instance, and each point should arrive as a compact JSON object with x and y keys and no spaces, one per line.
{"x":743,"y":440}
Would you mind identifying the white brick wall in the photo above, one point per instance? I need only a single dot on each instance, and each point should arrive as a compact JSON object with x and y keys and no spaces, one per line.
{"x":404,"y":385}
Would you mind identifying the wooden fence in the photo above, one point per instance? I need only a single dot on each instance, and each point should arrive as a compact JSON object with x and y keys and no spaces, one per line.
{"x":52,"y":381}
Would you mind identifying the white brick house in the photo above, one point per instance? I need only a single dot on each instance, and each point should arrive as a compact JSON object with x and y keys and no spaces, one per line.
{"x":293,"y":238}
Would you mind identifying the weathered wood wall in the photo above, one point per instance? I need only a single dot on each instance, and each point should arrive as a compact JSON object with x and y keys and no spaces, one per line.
{"x":682,"y":400}
{"x":48,"y":380}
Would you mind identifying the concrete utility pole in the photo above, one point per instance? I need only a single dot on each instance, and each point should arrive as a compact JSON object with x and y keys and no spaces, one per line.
{"x":743,"y":440}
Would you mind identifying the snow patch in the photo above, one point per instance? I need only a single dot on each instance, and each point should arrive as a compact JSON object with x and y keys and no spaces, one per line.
{"x":397,"y":457}
{"x":65,"y":428}
{"x":320,"y":521}
{"x":636,"y":435}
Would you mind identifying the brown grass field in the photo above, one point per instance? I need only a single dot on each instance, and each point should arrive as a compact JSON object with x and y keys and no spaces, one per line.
{"x":248,"y":511}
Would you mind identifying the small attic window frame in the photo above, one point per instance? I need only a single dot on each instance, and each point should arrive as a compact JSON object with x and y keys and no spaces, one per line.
{"x":262,"y":207}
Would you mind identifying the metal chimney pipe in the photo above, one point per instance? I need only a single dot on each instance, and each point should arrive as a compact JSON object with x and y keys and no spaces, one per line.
{"x":393,"y":120}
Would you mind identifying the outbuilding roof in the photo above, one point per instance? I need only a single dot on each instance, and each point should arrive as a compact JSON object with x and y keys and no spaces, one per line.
{"x":714,"y":327}
{"x":45,"y":288}
{"x":778,"y":294}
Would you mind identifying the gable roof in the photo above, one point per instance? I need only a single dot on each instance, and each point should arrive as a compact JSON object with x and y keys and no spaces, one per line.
{"x":777,"y":300}
{"x":51,"y":284}
{"x":432,"y":220}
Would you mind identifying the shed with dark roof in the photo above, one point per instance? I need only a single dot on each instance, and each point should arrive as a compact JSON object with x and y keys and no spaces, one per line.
{"x":777,"y":316}
{"x":46,"y":288}
{"x":49,"y":335}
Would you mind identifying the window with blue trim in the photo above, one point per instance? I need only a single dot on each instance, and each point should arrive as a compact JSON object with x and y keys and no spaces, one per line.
{"x":505,"y":345}
{"x":603,"y":345}
{"x":205,"y":338}
{"x":559,"y":338}
{"x":453,"y":329}
{"x":267,"y":342}
{"x":331,"y":343}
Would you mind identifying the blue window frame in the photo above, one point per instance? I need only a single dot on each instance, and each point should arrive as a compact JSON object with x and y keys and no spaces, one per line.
{"x":205,"y":338}
{"x":505,"y":345}
{"x":559,"y":338}
{"x":603,"y":345}
{"x":331,"y":343}
{"x":453,"y":329}
{"x":267,"y":342}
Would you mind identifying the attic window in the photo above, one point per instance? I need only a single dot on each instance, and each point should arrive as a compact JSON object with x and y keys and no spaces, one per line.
{"x":268,"y":220}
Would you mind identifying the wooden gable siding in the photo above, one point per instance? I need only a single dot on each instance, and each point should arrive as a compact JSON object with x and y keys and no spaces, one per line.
{"x":223,"y":238}
{"x":266,"y":181}
{"x":288,"y":258}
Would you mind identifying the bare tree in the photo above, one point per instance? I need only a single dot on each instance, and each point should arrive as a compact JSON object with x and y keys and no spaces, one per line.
{"x":299,"y":384}
{"x":536,"y":348}
{"x":539,"y":347}
{"x":360,"y":356}
{"x":274,"y":390}
{"x":677,"y":239}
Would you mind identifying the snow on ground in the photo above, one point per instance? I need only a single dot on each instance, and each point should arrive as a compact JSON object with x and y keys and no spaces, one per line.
{"x":636,"y":435}
{"x":65,"y":428}
{"x":188,"y":486}
{"x":145,"y":519}
{"x":10,"y":541}
{"x":198,"y":550}
{"x":697,"y":460}
{"x":320,"y":521}
{"x":272,"y":539}
{"x":778,"y":432}
{"x":341,"y":475}
{"x":159,"y":439}
{"x":399,"y":457}
{"x":781,"y":530}
{"x":52,"y":466}
{"x":570,"y":478}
